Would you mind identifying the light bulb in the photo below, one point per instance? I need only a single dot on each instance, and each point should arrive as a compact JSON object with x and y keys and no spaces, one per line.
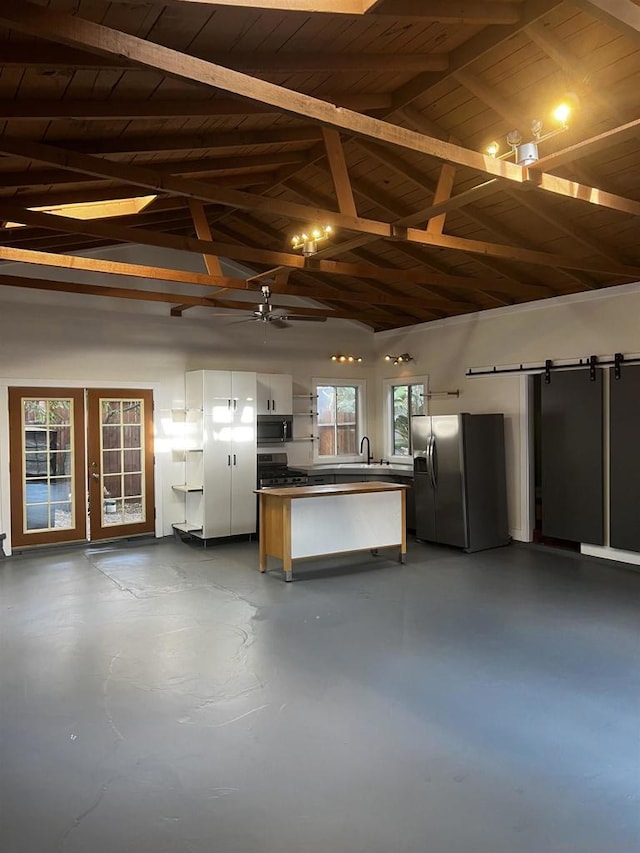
{"x":316,"y":233}
{"x":492,"y":149}
{"x":562,"y":113}
{"x":514,"y":138}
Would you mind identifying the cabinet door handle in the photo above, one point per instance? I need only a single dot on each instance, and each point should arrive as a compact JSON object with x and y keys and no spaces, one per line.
{"x":273,"y":405}
{"x":268,"y":405}
{"x":235,"y":461}
{"x":229,"y":459}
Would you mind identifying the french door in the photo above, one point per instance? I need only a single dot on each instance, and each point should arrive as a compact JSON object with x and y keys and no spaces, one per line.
{"x":81,"y":464}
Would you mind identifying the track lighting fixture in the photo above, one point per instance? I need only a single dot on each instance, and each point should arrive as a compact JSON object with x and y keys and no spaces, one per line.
{"x":526,"y":153}
{"x":399,"y":359}
{"x":346,"y":359}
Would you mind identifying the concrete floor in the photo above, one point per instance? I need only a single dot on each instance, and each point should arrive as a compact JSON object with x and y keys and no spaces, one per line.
{"x":162,"y":698}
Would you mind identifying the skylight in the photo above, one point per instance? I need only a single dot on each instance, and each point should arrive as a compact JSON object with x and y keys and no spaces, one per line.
{"x":92,"y":209}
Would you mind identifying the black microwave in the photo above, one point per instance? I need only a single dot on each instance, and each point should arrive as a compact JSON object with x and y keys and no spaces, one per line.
{"x":274,"y":429}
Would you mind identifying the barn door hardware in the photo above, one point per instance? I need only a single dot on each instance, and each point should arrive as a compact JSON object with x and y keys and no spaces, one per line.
{"x":617,"y":362}
{"x":592,"y":363}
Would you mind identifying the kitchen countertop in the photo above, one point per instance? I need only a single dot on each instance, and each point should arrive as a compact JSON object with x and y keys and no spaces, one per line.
{"x":297,"y":492}
{"x":372,"y":468}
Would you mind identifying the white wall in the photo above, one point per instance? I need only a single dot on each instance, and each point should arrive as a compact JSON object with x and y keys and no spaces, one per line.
{"x":49,"y":338}
{"x":564,"y":328}
{"x":91,"y":341}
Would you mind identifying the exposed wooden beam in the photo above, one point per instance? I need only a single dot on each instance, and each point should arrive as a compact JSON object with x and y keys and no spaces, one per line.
{"x":455,"y":202}
{"x":472,"y":12}
{"x":136,"y":143}
{"x":103,"y":290}
{"x":203,"y":232}
{"x":532,"y":201}
{"x":339,"y":171}
{"x":234,"y":198}
{"x":206,"y":166}
{"x":130,"y":110}
{"x":495,"y":100}
{"x":443,"y":12}
{"x":621,"y":15}
{"x":78,"y":32}
{"x":471,"y":50}
{"x":108,"y":229}
{"x":36,"y":55}
{"x":442,"y":193}
{"x":578,"y":71}
{"x":594,"y":145}
{"x":281,"y":286}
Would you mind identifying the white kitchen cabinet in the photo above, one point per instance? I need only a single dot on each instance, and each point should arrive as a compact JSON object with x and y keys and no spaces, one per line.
{"x":220,"y":473}
{"x":275,"y":394}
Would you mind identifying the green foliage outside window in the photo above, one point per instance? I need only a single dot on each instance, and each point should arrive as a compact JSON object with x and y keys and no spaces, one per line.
{"x":408,"y":400}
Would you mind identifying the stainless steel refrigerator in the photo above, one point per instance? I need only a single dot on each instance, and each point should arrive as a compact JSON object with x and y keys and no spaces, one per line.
{"x":459,"y":480}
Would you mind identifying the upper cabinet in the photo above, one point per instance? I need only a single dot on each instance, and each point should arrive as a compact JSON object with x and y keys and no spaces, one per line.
{"x":275,"y":394}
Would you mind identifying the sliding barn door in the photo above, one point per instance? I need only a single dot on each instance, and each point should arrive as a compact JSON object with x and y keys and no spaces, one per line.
{"x":625,"y":459}
{"x":47,"y":463}
{"x":572,"y":466}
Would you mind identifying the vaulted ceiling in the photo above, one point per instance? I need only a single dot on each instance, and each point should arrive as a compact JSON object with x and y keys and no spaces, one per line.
{"x":251,"y":122}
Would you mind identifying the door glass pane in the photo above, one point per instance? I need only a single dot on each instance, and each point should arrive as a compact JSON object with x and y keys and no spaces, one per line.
{"x":49,"y":487}
{"x":122,"y":451}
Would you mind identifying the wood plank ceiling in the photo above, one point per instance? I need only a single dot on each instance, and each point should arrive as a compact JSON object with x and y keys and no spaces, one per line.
{"x":250,"y":123}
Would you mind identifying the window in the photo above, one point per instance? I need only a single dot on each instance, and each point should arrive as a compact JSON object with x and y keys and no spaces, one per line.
{"x":340,"y":422}
{"x":404,"y":401}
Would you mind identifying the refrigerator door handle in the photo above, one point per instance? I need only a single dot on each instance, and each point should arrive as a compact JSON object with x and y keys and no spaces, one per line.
{"x":430,"y":446}
{"x":434,"y":462}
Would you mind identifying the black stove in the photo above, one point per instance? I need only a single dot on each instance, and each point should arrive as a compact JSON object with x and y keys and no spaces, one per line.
{"x":273,"y":470}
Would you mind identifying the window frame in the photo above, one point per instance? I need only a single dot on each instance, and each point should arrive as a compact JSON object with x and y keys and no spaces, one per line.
{"x":361,"y":417}
{"x":387,"y":395}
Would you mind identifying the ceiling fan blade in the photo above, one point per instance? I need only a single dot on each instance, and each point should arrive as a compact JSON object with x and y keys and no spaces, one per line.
{"x":306,"y":318}
{"x":279,"y":323}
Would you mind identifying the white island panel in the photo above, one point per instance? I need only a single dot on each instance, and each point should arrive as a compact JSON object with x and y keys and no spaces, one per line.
{"x":336,"y":523}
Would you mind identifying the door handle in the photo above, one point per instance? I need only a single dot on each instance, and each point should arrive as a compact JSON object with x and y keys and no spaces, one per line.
{"x":273,"y":405}
{"x":95,"y":476}
{"x":434,"y":463}
{"x":430,"y":456}
{"x":235,"y":461}
{"x":228,"y":459}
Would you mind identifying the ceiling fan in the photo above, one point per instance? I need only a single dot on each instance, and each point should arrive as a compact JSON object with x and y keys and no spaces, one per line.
{"x":265,"y":312}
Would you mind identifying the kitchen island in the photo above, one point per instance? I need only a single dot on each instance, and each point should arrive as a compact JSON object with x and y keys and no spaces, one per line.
{"x":310,"y":521}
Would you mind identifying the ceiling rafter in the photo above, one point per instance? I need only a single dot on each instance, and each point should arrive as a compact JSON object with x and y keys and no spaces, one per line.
{"x":116,"y":268}
{"x":132,"y":110}
{"x":110,"y":230}
{"x":358,"y":252}
{"x":149,"y":179}
{"x":210,"y":166}
{"x":471,"y":12}
{"x":42,"y":55}
{"x":621,"y":15}
{"x":78,"y":31}
{"x":471,"y":50}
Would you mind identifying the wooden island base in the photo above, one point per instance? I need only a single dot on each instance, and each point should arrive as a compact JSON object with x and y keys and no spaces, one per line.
{"x":312,"y":521}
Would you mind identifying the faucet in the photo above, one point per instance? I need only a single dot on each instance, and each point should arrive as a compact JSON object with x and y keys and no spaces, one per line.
{"x":369,"y":456}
